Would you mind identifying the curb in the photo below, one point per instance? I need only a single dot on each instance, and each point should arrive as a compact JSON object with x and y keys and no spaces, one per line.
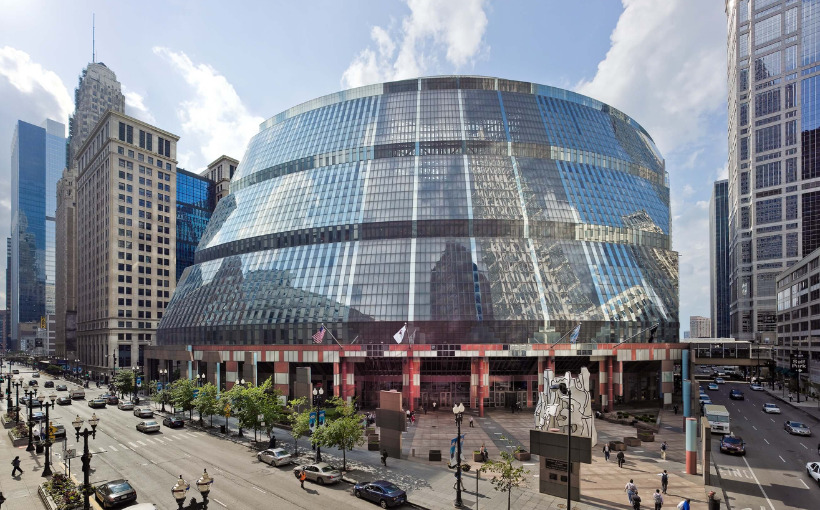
{"x":791,"y":404}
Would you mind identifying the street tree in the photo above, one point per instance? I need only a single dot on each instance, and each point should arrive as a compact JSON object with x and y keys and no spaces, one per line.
{"x":346,"y":431}
{"x":124,"y":382}
{"x":182,"y":395}
{"x":270,"y":406}
{"x":207,"y":403}
{"x":299,"y":419}
{"x":505,"y":475}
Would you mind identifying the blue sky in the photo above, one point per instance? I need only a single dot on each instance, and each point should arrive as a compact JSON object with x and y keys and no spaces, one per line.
{"x":210,"y":71}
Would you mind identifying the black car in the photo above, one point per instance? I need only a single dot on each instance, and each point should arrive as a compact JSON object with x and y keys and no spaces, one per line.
{"x":736,"y":395}
{"x":385,"y":493}
{"x":34,"y":402}
{"x":32,"y":382}
{"x":48,"y":384}
{"x":61,"y":387}
{"x":733,"y":444}
{"x":115,"y":492}
{"x":173,"y":422}
{"x":64,"y":401}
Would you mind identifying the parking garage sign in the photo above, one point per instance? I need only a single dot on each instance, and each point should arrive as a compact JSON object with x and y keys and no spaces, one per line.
{"x":798,"y":362}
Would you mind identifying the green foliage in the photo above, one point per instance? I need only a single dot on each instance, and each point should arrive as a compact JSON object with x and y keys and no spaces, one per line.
{"x":124,"y":381}
{"x":65,"y":493}
{"x":182,"y":394}
{"x":299,"y":419}
{"x":54,"y":370}
{"x":345,"y":431}
{"x":207,"y":402}
{"x":505,"y":475}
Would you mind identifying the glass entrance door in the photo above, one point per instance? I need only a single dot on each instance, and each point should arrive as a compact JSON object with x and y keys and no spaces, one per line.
{"x":499,"y":399}
{"x":445,"y":400}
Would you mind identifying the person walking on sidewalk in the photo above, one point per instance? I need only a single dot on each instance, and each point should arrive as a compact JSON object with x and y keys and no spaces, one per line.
{"x":664,"y":480}
{"x":658,"y":499}
{"x":631,"y":489}
{"x":16,"y":464}
{"x":458,"y":481}
{"x":684,"y":505}
{"x":606,"y":452}
{"x":636,"y":501}
{"x":621,"y":459}
{"x":384,"y":457}
{"x":675,"y":408}
{"x":663,"y":450}
{"x":471,"y":422}
{"x":302,"y":476}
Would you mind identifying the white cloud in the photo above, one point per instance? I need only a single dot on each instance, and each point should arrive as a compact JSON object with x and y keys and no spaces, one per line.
{"x":214,"y":120}
{"x":31,"y":79}
{"x":433,"y":27}
{"x":136,"y":106}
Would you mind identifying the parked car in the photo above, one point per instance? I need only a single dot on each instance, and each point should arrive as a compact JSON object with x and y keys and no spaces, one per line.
{"x":797,"y":428}
{"x":115,"y":492}
{"x":732,"y":444}
{"x":148,"y":426}
{"x":112,"y":400}
{"x":771,"y":409}
{"x":97,"y":403}
{"x":385,"y":493}
{"x":125,"y":405}
{"x":64,"y":401}
{"x":143,"y":412}
{"x":713,"y":386}
{"x":813,"y":469}
{"x":61,"y":387}
{"x":321,"y":473}
{"x":736,"y":395}
{"x":173,"y":422}
{"x":48,"y":384}
{"x":275,"y":457}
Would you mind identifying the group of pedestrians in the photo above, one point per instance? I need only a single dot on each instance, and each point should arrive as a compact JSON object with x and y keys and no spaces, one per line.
{"x":657,"y":497}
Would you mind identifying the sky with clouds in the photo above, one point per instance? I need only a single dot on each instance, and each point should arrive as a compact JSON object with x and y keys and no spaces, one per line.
{"x":210,"y":72}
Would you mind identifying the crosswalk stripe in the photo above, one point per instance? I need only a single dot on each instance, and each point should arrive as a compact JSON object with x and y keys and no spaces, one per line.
{"x":123,"y":446}
{"x":169,"y":439}
{"x":132,"y":445}
{"x":160,"y":441}
{"x":112,"y":448}
{"x":180,"y":437}
{"x":192,"y":435}
{"x":149,"y":440}
{"x":143,"y":444}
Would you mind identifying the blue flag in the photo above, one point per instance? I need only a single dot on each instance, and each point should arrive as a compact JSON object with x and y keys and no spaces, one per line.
{"x":574,"y":335}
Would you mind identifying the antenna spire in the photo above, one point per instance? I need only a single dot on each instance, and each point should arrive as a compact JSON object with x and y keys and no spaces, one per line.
{"x":93,"y":46}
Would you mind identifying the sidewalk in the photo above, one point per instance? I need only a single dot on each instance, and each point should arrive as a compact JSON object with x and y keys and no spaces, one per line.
{"x":810,"y":408}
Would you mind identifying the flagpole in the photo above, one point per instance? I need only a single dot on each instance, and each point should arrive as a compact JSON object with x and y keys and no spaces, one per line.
{"x":331,"y":336}
{"x":563,"y":336}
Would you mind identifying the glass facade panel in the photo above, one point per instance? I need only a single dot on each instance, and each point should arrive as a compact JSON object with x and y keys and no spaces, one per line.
{"x":194,"y":208}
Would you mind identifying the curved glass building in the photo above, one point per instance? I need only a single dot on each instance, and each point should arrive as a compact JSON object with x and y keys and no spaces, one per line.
{"x":474,"y":210}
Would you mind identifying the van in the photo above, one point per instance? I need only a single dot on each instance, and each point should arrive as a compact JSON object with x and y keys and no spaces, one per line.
{"x":77,"y":394}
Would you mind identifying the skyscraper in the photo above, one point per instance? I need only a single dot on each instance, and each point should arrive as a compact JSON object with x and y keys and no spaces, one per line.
{"x":126,"y":255}
{"x":97,"y":92}
{"x":774,"y":113}
{"x":699,"y":327}
{"x":195,"y":204}
{"x":719,"y":259}
{"x":37,"y":158}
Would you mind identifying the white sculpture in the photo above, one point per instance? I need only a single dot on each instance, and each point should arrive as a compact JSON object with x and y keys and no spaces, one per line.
{"x":554,"y":409}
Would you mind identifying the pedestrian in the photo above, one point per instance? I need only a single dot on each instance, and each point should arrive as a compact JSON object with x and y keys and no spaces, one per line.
{"x":664,"y":480}
{"x":302,"y":477}
{"x":471,"y":422}
{"x":658,"y":499}
{"x":412,"y":419}
{"x":818,"y":448}
{"x":384,"y":457}
{"x":434,"y":407}
{"x":621,"y":459}
{"x":684,"y":505}
{"x":636,"y":501}
{"x":663,"y":450}
{"x":675,"y":408}
{"x":424,"y":409}
{"x":606,"y":452}
{"x":407,"y":413}
{"x":272,"y":442}
{"x":458,"y":481}
{"x":484,"y":454}
{"x":631,"y":489}
{"x":16,"y":464}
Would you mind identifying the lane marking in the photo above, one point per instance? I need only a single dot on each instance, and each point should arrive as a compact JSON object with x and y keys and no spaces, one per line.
{"x":758,"y":482}
{"x":804,"y":446}
{"x":169,"y":439}
{"x":159,"y":440}
{"x":124,"y":447}
{"x":804,"y":483}
{"x":226,"y":506}
{"x":781,"y":458}
{"x":772,"y":419}
{"x":133,"y":445}
{"x":744,"y":417}
{"x":260,"y":490}
{"x":112,"y":448}
{"x":767,"y":441}
{"x":754,"y":427}
{"x":143,"y":444}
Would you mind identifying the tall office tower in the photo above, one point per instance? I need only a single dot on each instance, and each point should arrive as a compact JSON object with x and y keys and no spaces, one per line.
{"x":65,"y":343}
{"x":220,"y":171}
{"x":37,"y":158}
{"x":97,"y":92}
{"x":7,"y":330}
{"x":126,"y":257}
{"x":699,"y":327}
{"x":774,"y":112}
{"x":195,"y":204}
{"x":719,"y":259}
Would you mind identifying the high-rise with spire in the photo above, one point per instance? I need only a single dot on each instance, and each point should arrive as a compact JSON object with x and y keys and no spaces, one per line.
{"x":97,"y":92}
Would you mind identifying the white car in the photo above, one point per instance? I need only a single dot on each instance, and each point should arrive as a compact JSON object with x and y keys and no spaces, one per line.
{"x":755,"y":387}
{"x":771,"y":409}
{"x":813,"y":469}
{"x":720,"y":380}
{"x":275,"y":457}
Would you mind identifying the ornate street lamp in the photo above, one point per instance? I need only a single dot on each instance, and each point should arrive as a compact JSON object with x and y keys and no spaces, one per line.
{"x":458,"y":410}
{"x":29,"y":398}
{"x":163,"y":375}
{"x":179,"y":490}
{"x":47,"y":405}
{"x":86,"y":458}
{"x":203,"y":485}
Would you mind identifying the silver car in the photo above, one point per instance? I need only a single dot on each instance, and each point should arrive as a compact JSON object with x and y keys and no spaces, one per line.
{"x":322,"y":473}
{"x":125,"y":405}
{"x":797,"y":428}
{"x":148,"y":426}
{"x":275,"y":457}
{"x":771,"y":409}
{"x":143,"y":412}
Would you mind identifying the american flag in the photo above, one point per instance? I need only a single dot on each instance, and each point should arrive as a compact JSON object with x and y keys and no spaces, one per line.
{"x":319,"y":336}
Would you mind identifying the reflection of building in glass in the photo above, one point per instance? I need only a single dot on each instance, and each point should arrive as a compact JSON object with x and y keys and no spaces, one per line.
{"x":486,"y":214}
{"x":38,"y":157}
{"x":195,"y":203}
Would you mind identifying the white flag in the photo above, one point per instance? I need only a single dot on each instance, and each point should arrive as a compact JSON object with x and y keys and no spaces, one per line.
{"x":574,"y":335}
{"x":398,"y":337}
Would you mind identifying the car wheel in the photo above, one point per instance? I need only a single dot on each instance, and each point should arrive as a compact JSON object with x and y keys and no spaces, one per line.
{"x":358,"y":493}
{"x":321,"y":481}
{"x":383,"y":504}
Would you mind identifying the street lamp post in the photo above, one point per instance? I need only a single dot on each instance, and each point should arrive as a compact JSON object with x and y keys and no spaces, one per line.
{"x":8,"y":393}
{"x":29,"y":397}
{"x":47,"y":405}
{"x":86,"y":458}
{"x":203,"y":485}
{"x":136,"y":369}
{"x":17,"y":384}
{"x":567,"y":390}
{"x":318,"y":396}
{"x":163,"y":374}
{"x":200,"y":380}
{"x":458,"y":410}
{"x":179,"y":490}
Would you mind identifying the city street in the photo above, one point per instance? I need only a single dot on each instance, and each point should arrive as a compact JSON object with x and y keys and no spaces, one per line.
{"x":772,"y":474}
{"x":152,"y":462}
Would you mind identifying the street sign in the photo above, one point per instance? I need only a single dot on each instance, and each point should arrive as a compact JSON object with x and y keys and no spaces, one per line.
{"x":71,"y":453}
{"x":798,"y":362}
{"x":139,"y":382}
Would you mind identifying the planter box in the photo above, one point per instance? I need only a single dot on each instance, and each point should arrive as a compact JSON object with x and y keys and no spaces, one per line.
{"x":522,"y":455}
{"x":632,"y":441}
{"x":7,"y":424}
{"x":477,"y":457}
{"x":48,"y":501}
{"x":646,"y":436}
{"x":617,"y":446}
{"x":434,"y":456}
{"x":23,"y":441}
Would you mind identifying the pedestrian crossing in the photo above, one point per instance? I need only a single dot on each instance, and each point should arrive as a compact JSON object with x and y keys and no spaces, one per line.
{"x":146,"y":442}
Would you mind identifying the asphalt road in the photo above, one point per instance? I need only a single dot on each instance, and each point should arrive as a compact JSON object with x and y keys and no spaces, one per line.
{"x":153,"y":462}
{"x":772,"y":474}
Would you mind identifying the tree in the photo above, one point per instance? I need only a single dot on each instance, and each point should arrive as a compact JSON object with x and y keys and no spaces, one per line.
{"x":182,"y":395}
{"x":299,"y":421}
{"x":505,"y":475}
{"x":124,"y":382}
{"x":270,"y":405}
{"x":344,"y":432}
{"x":207,"y":403}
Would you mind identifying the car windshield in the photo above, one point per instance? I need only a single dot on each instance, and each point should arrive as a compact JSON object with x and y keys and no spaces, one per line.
{"x":732,"y":440}
{"x":797,"y":425}
{"x":328,"y":469}
{"x":150,"y":423}
{"x":389,"y":487}
{"x":120,"y":487}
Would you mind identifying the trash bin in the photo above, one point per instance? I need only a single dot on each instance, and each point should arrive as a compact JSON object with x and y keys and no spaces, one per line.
{"x":714,"y":502}
{"x":38,"y":448}
{"x":222,"y":429}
